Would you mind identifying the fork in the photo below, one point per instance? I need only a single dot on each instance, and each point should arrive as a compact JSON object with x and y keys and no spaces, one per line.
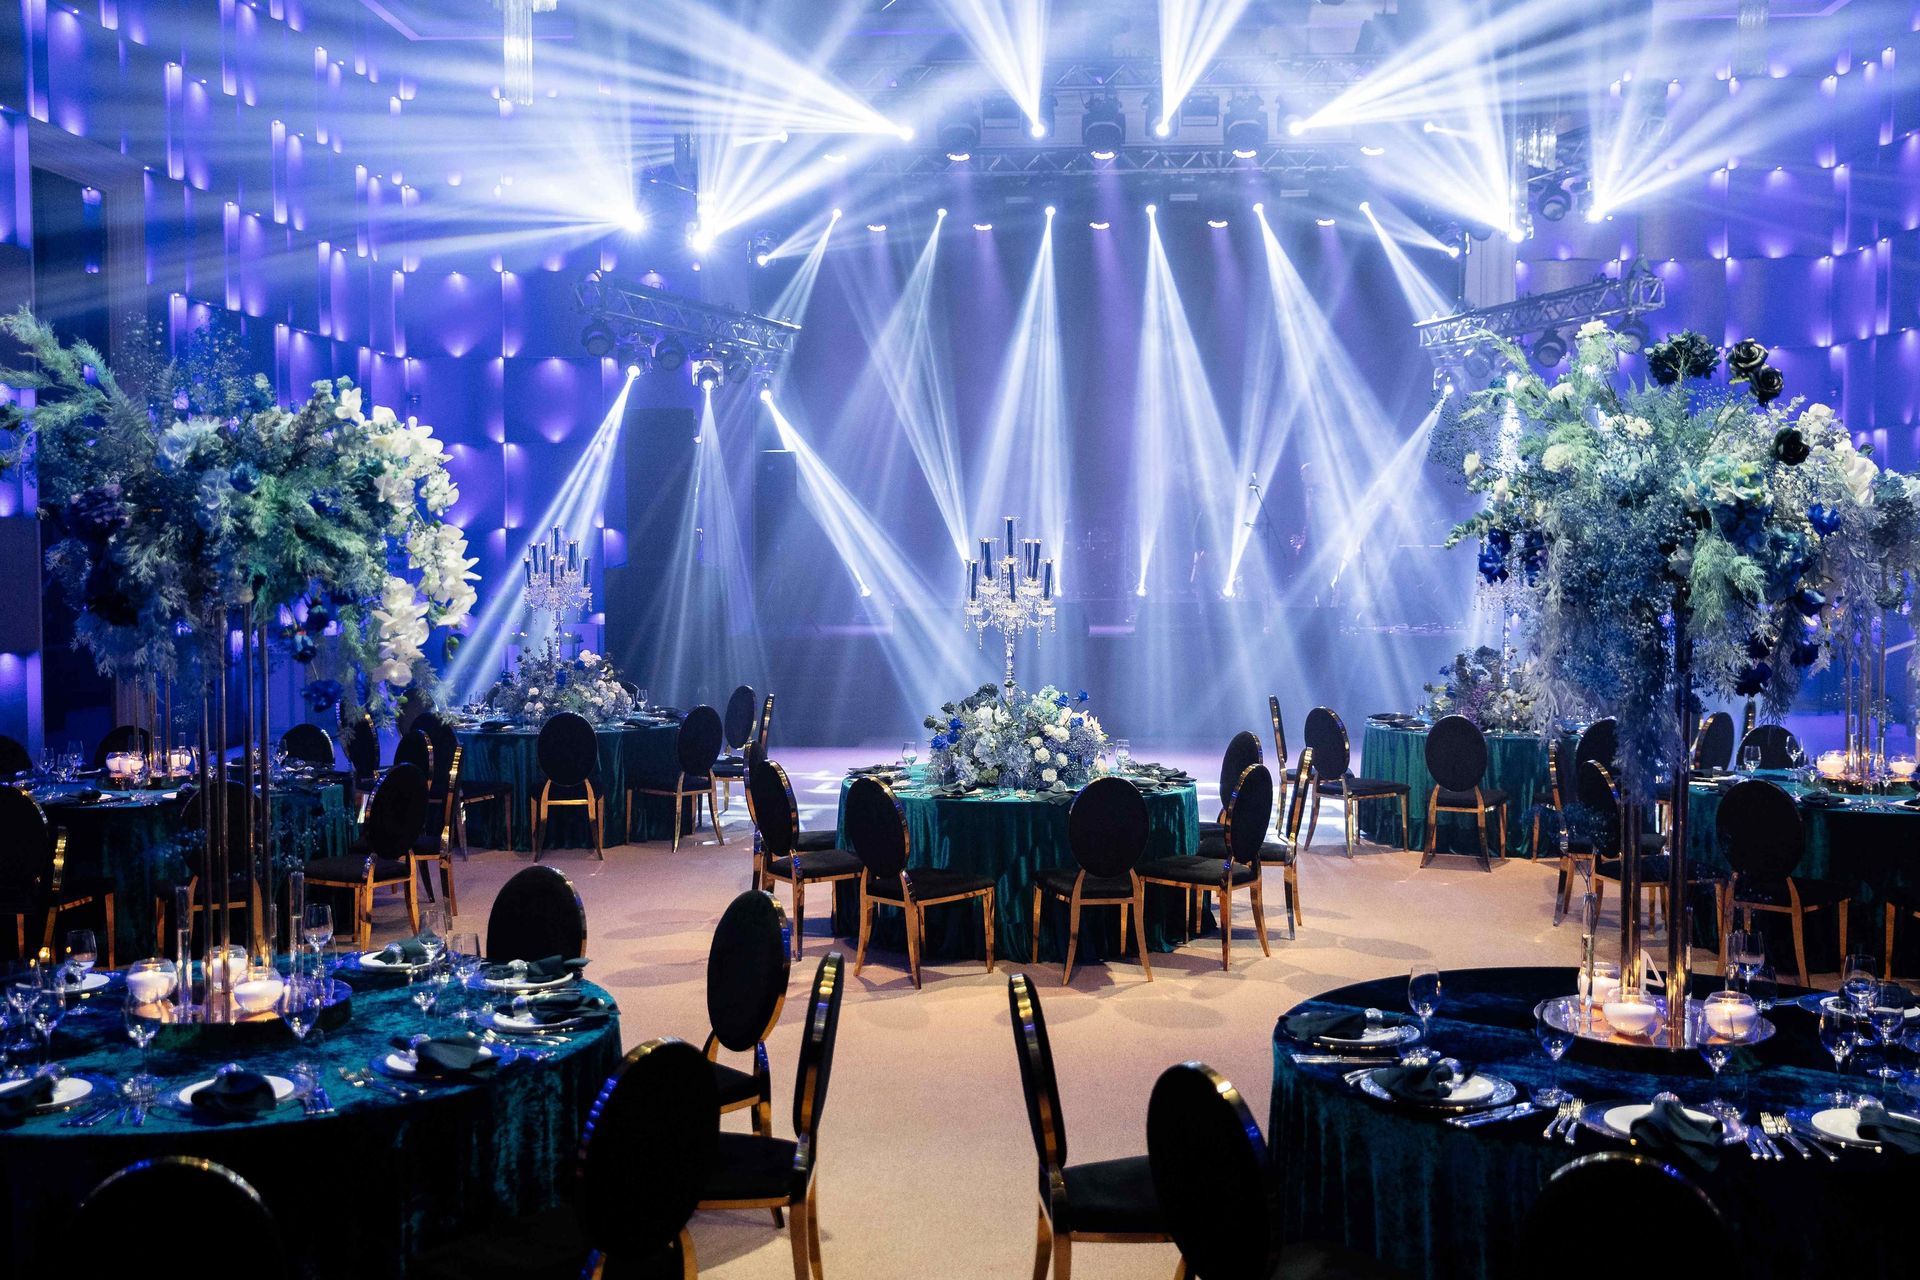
{"x":361,"y":1080}
{"x":1571,"y":1128}
{"x":318,"y":1103}
{"x":1778,"y":1126}
{"x":1560,"y":1117}
{"x":90,"y":1117}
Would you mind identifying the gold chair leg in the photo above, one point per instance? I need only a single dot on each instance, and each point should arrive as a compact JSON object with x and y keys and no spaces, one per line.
{"x":1033,"y":934}
{"x":1886,"y":948}
{"x":1257,"y":894}
{"x":1073,"y":940}
{"x":800,"y":910}
{"x":1313,"y":819}
{"x":797,"y":1230}
{"x":914,"y":921}
{"x":1042,"y":1244}
{"x":719,"y":836}
{"x":1225,"y":894}
{"x":1406,"y":831}
{"x":679,"y":814}
{"x":1062,"y":1256}
{"x":866,"y":926}
{"x":986,"y":921}
{"x":110,"y":934}
{"x":813,"y":1228}
{"x":1123,"y":933}
{"x":1139,"y":909}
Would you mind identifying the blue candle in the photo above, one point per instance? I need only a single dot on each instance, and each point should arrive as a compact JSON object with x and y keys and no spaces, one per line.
{"x":1010,"y":549}
{"x":973,"y":580}
{"x":1011,"y":590}
{"x":1047,"y":587}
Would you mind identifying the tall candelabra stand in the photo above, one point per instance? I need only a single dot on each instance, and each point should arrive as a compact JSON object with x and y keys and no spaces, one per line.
{"x":557,"y":578}
{"x":1012,"y":594}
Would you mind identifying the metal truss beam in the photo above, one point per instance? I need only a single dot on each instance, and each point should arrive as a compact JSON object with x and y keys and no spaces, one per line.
{"x":1451,"y":337}
{"x":630,"y":308}
{"x":1301,"y":159}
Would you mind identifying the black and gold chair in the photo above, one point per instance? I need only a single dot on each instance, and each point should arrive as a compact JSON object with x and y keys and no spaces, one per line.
{"x":122,"y":737}
{"x":1696,"y":1240}
{"x":463,"y":790}
{"x":434,"y":848}
{"x":360,"y":743}
{"x":1242,"y":750}
{"x":1284,"y":850}
{"x":237,"y":902}
{"x":569,"y":753}
{"x":1326,"y":733}
{"x":14,"y":760}
{"x":35,"y":887}
{"x":782,"y":851}
{"x":416,"y":748}
{"x":309,"y":744}
{"x":96,"y":1241}
{"x":1713,"y":744}
{"x":1279,"y":725}
{"x":1759,"y":831}
{"x":755,"y":1172}
{"x":1107,"y":830}
{"x":1600,"y":797}
{"x":380,"y":859}
{"x":747,"y":970}
{"x":695,"y":751}
{"x":1776,"y":745}
{"x":1456,"y":754}
{"x":877,"y":828}
{"x":1212,"y":1178}
{"x":1101,"y":1201}
{"x":1228,"y":862}
{"x":1556,"y":812}
{"x":536,"y":914}
{"x":739,"y":727}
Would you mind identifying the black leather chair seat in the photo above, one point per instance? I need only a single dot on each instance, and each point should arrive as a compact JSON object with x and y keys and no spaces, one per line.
{"x":1651,"y":842}
{"x":1111,"y":1196}
{"x":1213,"y":828}
{"x":1813,"y":893}
{"x":930,"y":882}
{"x":750,"y":1167}
{"x":819,"y":864}
{"x":730,"y":767}
{"x":1059,"y":880}
{"x":1195,"y":868}
{"x":734,"y":1085}
{"x":1489,"y":796}
{"x":354,"y":867}
{"x":1364,"y":788}
{"x":816,"y":841}
{"x":1273,"y":851}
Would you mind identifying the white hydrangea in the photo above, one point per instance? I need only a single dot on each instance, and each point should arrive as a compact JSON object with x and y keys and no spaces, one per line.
{"x":1041,"y":754}
{"x":1049,"y":775}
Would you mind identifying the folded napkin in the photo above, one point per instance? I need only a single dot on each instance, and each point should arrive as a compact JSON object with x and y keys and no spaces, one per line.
{"x":17,"y":1101}
{"x":72,"y":977}
{"x":872,"y":770}
{"x":1431,"y":1083}
{"x":234,"y":1095}
{"x":545,"y":970}
{"x":408,"y":951}
{"x":1894,"y":1132}
{"x":565,"y":1006}
{"x":449,"y":1057}
{"x":1333,"y":1026}
{"x":1668,"y":1130}
{"x":1821,"y":800}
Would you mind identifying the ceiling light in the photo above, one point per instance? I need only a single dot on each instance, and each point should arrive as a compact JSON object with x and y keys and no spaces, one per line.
{"x":1245,"y":125}
{"x":876,"y":227}
{"x":1100,"y":226}
{"x":1373,"y":151}
{"x":959,"y":131}
{"x":983,"y":226}
{"x":1103,"y":125}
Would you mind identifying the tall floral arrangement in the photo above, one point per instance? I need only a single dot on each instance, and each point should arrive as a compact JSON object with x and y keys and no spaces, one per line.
{"x":1020,"y":741}
{"x":1482,"y":686}
{"x":169,"y":512}
{"x":1677,"y":526}
{"x":545,"y":684}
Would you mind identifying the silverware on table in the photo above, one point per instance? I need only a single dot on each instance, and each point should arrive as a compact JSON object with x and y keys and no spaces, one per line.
{"x":1780,"y":1127}
{"x":1572,"y":1128}
{"x":365,"y":1080}
{"x":317,"y":1102}
{"x":1512,"y":1111}
{"x":91,"y":1116}
{"x":1330,"y":1059}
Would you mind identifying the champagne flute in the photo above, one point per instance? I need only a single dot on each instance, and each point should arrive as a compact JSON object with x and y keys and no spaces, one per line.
{"x":1423,"y":995}
{"x":1555,"y":1040}
{"x":1837,"y":1036}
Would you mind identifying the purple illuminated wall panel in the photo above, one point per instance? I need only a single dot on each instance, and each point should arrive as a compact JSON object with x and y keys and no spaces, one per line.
{"x":552,"y":401}
{"x":1781,"y":212}
{"x":456,"y":314}
{"x":542,"y":318}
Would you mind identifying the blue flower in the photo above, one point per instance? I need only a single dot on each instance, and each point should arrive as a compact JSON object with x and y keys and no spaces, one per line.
{"x":1493,"y":564}
{"x":939,"y":742}
{"x":1061,"y":701}
{"x":956,"y":726}
{"x":323,"y":695}
{"x":1083,"y":696}
{"x":1824,"y":519}
{"x":244,"y":477}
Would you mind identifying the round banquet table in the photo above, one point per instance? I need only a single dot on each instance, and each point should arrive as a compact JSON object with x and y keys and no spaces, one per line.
{"x":356,"y":1193}
{"x":1438,"y":1201}
{"x":1009,"y":836}
{"x":1516,"y":764}
{"x":628,"y":754}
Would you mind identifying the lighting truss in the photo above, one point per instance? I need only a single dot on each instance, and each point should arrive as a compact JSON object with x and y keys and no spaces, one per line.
{"x":1285,"y":157}
{"x":1448,"y":339}
{"x":1269,"y":73}
{"x":632,"y":310}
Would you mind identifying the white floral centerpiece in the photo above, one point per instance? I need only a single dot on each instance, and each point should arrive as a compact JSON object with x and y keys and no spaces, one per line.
{"x":545,"y":684}
{"x":1020,"y":742}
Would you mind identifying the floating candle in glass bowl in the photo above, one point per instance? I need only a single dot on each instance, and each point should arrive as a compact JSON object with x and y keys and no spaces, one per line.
{"x":259,"y":991}
{"x":1729,"y":1014}
{"x":1902,"y":767}
{"x":1832,"y":765}
{"x":1632,"y":1014}
{"x":150,"y":981}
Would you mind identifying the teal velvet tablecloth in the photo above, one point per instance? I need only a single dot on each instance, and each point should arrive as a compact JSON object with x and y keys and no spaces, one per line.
{"x":359,"y":1191}
{"x":1516,"y":764}
{"x":1009,"y":837}
{"x":628,"y":755}
{"x":1436,"y":1201}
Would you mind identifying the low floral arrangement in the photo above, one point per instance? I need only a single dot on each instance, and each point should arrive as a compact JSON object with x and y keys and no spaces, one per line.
{"x":188,"y":497}
{"x":545,"y":684}
{"x":1677,"y":537}
{"x":1482,"y":687}
{"x":1019,"y":742}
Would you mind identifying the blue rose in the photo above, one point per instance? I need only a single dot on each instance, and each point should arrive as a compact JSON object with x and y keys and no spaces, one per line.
{"x":939,"y":742}
{"x":955,"y":725}
{"x":1824,"y":519}
{"x":1493,"y":564}
{"x":1083,"y":696}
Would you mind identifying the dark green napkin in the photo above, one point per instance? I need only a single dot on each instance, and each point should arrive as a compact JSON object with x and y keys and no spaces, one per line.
{"x":545,"y":970}
{"x":1332,"y":1026}
{"x":565,"y":1006}
{"x":876,"y":770}
{"x":234,"y":1095}
{"x":1894,"y":1132}
{"x":1426,"y":1084}
{"x":409,"y":951}
{"x":449,"y":1057}
{"x":18,"y":1101}
{"x":1821,"y":800}
{"x":1668,"y":1130}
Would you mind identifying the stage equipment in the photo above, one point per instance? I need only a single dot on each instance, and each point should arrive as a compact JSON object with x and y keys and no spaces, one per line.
{"x":669,"y":326}
{"x":1011,"y":594}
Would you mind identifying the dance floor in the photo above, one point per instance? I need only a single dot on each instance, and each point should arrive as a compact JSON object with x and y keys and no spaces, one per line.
{"x":926,"y":1166}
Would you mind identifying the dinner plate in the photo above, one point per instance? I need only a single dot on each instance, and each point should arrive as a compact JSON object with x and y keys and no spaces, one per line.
{"x":67,"y":1092}
{"x":1816,"y":1001}
{"x":283,"y":1089}
{"x":89,"y":982}
{"x":373,"y":960}
{"x":1616,"y":1120}
{"x":1835,"y":1124}
{"x":401,"y":1065}
{"x":512,"y":984}
{"x":1479,"y":1092}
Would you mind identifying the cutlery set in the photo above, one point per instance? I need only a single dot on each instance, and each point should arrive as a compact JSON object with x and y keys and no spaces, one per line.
{"x":1565,"y":1123}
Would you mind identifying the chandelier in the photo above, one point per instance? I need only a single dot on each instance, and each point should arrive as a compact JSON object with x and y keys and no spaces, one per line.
{"x":1012,"y":596}
{"x":516,"y":44}
{"x":556,"y":577}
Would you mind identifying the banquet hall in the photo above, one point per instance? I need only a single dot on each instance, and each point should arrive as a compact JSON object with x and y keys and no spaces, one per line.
{"x":650,"y":640}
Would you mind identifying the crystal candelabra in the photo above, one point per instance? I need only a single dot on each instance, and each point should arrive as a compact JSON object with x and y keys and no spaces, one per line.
{"x":1012,"y":594}
{"x":556,"y":577}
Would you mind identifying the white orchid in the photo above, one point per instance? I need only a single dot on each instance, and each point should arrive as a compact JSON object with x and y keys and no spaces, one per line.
{"x":1471,"y":464}
{"x":347,"y":403}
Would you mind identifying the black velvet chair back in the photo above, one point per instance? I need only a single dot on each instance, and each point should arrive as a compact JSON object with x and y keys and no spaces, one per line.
{"x":775,"y":812}
{"x":1601,"y":800}
{"x":1209,"y":1167}
{"x":815,"y":1068}
{"x":1326,"y":733}
{"x":1760,"y":832}
{"x":877,"y":828}
{"x":1107,"y":827}
{"x":26,"y":843}
{"x":310,"y":744}
{"x":1599,"y":741}
{"x":444,"y":741}
{"x":1248,"y":814}
{"x":739,"y":722}
{"x":104,"y":1240}
{"x":1561,"y":782}
{"x":1713,"y":747}
{"x":416,"y":748}
{"x":361,"y":741}
{"x":1279,"y":729}
{"x":122,"y":737}
{"x":536,"y":914}
{"x":1694,"y":1238}
{"x":1775,"y":745}
{"x":1044,"y":1115}
{"x":649,"y":1145}
{"x":699,"y":741}
{"x":14,"y":759}
{"x":1456,"y":753}
{"x":567,"y":749}
{"x":399,"y":812}
{"x":1242,"y":750}
{"x":747,"y":970}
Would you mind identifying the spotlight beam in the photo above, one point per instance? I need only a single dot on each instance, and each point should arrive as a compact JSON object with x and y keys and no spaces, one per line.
{"x":1191,"y":32}
{"x":1424,"y":301}
{"x":1010,"y":37}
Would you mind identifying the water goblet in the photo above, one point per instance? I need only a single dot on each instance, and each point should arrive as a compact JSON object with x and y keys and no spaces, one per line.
{"x":1859,"y":982}
{"x":1887,"y":1017}
{"x":49,"y":762}
{"x":1715,"y":1049}
{"x":143,"y":1024}
{"x":1123,"y":754}
{"x":300,"y":1008}
{"x":909,"y":752}
{"x":1423,"y":994}
{"x":1764,"y":987}
{"x":1746,"y":952}
{"x":1837,"y":1036}
{"x":1750,"y":757}
{"x":643,"y":699}
{"x":1555,"y":1040}
{"x":422,"y":989}
{"x":49,"y":1007}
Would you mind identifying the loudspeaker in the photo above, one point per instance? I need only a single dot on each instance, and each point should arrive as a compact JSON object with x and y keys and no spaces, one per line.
{"x":658,"y":451}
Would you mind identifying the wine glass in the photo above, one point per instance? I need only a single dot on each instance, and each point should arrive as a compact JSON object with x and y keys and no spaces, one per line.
{"x":143,"y":1024}
{"x":300,"y":1008}
{"x":909,"y":752}
{"x":1750,"y":757}
{"x":1764,"y":987}
{"x":1746,"y":952}
{"x":1716,"y":1049}
{"x":1887,"y":1017}
{"x":644,"y":699}
{"x":48,"y":1008}
{"x":1555,"y":1040}
{"x":1423,"y":994}
{"x":316,"y":926}
{"x":422,"y":989}
{"x":1123,"y":754}
{"x":1796,"y":757}
{"x":1860,"y":982}
{"x":1837,"y":1037}
{"x":433,"y":932}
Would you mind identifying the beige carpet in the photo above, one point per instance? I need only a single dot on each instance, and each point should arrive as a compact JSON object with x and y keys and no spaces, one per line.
{"x":926,"y":1166}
